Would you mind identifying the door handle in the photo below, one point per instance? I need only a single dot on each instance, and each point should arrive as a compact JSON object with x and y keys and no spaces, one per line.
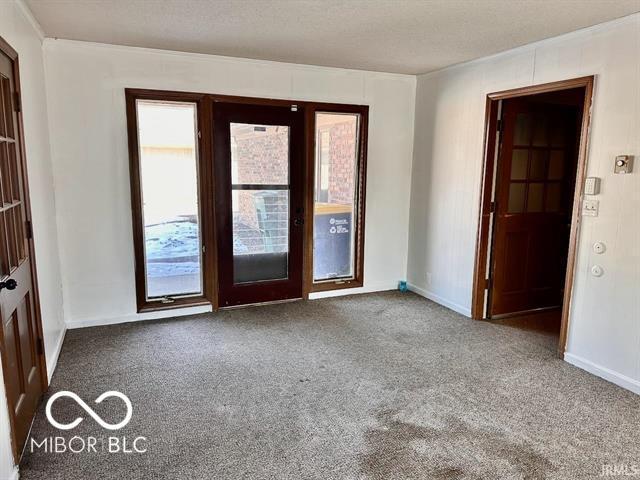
{"x":10,"y":284}
{"x":298,"y":221}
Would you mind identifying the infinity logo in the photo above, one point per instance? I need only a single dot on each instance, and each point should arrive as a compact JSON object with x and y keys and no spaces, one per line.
{"x":89,"y":410}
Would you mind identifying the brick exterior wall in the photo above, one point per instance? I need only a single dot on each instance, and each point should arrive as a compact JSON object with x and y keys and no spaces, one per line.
{"x":261,"y":221}
{"x":262,"y":157}
{"x":342,"y":166}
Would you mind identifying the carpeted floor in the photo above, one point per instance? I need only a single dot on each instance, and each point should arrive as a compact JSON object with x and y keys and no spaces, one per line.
{"x":378,"y":386}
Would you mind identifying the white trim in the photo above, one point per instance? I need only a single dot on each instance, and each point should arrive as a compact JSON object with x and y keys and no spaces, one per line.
{"x":28,"y":14}
{"x":603,"y":372}
{"x":456,"y":307}
{"x":532,"y":45}
{"x":15,"y":474}
{"x":52,"y":359}
{"x":53,"y":42}
{"x":136,"y":317}
{"x":368,"y":288}
{"x":178,"y":312}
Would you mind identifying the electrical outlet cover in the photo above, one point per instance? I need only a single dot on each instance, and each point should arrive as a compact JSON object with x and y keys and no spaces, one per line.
{"x":590,"y":208}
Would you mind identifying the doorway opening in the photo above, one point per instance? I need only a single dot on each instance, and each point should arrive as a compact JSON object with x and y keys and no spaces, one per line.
{"x":535,"y":158}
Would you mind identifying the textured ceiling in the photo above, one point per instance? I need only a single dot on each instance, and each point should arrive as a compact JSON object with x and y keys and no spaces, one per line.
{"x":404,"y":36}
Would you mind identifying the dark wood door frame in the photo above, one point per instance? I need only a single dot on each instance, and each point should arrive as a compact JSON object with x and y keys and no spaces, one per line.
{"x":480,"y":283}
{"x":13,"y":55}
{"x":273,"y":288}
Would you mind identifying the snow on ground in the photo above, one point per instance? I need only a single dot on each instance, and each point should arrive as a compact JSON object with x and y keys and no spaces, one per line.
{"x":172,"y":248}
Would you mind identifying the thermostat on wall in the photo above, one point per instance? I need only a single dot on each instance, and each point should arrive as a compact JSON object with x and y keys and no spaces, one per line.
{"x":592,"y":186}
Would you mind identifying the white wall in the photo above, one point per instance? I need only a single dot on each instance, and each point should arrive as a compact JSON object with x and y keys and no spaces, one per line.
{"x":23,"y":34}
{"x":85,"y":84}
{"x":604,"y":332}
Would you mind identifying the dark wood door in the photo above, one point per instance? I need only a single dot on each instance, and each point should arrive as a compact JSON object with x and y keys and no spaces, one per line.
{"x":534,"y":192}
{"x":259,"y":172}
{"x":21,"y":358}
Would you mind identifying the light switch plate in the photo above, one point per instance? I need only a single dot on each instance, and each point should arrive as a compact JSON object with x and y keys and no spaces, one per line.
{"x":592,"y":186}
{"x":590,"y":208}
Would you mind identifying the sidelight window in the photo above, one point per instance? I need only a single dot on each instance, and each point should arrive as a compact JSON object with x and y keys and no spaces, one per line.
{"x":168,"y":182}
{"x":336,"y":199}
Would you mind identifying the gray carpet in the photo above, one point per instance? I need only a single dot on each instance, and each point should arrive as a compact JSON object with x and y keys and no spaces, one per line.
{"x":378,"y":386}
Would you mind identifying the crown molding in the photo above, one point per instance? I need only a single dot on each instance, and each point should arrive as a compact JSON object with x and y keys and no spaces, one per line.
{"x":28,"y":14}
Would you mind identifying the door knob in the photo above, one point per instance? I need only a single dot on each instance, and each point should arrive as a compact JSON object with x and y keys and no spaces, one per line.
{"x":10,"y":284}
{"x":298,"y":221}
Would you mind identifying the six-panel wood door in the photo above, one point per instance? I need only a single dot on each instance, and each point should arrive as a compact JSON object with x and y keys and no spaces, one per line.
{"x":21,"y":356}
{"x":535,"y":185}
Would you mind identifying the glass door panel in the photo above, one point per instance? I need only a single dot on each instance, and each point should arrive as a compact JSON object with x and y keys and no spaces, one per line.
{"x":260,"y":235}
{"x":260,"y":201}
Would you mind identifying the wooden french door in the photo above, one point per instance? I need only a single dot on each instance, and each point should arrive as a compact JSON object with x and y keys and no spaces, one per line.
{"x":534,"y":194}
{"x":259,"y":170}
{"x":22,"y":355}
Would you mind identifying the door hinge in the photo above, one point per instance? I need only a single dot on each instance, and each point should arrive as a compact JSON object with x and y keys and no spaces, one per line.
{"x":487,"y":283}
{"x":29,"y":228}
{"x":17,"y":103}
{"x":40,"y":346}
{"x":500,"y":126}
{"x":492,"y":207}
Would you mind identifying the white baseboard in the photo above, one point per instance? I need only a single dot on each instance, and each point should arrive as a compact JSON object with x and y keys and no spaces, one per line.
{"x":15,"y":475}
{"x":438,"y":299}
{"x":368,"y":288}
{"x":137,"y":317}
{"x":604,"y":372}
{"x":52,"y":358}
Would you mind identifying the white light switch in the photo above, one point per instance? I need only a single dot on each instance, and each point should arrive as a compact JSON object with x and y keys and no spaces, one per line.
{"x":590,"y":208}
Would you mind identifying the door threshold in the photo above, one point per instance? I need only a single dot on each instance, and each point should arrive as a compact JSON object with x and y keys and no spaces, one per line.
{"x":524,"y":312}
{"x":258,"y":304}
